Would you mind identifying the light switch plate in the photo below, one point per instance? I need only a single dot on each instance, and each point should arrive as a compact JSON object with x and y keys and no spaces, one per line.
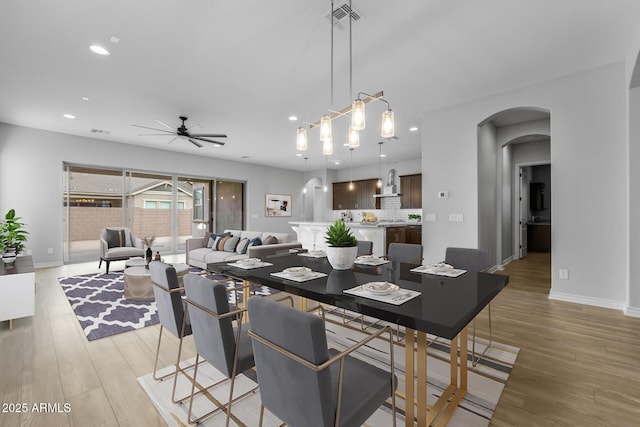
{"x":430,"y":217}
{"x":563,"y":273}
{"x":456,"y":217}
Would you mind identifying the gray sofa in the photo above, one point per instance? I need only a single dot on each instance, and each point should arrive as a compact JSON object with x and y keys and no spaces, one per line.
{"x":199,"y":255}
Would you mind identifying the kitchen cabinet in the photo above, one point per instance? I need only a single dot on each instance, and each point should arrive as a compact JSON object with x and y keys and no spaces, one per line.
{"x":538,"y":237}
{"x":411,"y":191}
{"x":361,"y":197}
{"x":413,"y":234}
{"x":394,"y":235}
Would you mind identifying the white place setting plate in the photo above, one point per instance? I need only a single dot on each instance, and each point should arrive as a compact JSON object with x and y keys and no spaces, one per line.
{"x":248,"y":261}
{"x":296,"y":271}
{"x":380,"y":288}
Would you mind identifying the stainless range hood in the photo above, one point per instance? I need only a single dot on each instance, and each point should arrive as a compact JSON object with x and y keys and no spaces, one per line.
{"x":388,"y":191}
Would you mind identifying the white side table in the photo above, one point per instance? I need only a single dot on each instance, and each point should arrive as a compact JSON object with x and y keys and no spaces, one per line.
{"x":18,"y":290}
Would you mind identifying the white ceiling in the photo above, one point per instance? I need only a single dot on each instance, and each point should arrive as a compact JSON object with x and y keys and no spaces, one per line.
{"x":243,"y":67}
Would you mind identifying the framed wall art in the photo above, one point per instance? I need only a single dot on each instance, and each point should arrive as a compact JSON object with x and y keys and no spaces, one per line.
{"x":277,"y":205}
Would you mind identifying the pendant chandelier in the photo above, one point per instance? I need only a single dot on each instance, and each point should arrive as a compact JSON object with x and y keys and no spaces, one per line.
{"x":356,"y":110}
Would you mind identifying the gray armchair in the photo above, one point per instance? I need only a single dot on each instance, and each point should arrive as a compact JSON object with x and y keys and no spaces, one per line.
{"x":302,"y":381}
{"x":119,"y":244}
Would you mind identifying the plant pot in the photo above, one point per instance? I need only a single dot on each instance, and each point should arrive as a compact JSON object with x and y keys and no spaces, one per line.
{"x":342,"y":258}
{"x":8,"y":258}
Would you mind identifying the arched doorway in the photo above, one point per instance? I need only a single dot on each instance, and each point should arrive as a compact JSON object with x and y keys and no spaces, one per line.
{"x":507,"y":141}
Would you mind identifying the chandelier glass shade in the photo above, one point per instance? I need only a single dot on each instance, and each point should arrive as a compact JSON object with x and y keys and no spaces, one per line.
{"x":301,"y":141}
{"x":325,"y":129}
{"x":327,"y":147}
{"x":354,"y":138}
{"x":387,"y":130}
{"x":357,"y":115}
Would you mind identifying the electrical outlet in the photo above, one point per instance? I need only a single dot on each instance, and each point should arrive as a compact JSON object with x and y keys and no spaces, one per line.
{"x":50,"y":251}
{"x":563,"y":273}
{"x":456,"y":217}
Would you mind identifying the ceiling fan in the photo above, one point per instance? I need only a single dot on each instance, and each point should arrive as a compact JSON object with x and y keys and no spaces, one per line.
{"x":183,"y":133}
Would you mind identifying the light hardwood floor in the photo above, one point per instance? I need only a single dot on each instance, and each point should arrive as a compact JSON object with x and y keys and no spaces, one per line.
{"x":578,"y":365}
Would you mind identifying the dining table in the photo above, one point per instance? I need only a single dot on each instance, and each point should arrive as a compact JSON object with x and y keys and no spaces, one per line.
{"x":422,"y":303}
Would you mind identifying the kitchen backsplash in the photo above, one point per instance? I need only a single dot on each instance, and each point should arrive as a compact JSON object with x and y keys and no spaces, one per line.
{"x":389,"y":210}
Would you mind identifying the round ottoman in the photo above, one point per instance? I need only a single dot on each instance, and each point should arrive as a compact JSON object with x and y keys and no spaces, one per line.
{"x":137,"y":284}
{"x":136,"y":262}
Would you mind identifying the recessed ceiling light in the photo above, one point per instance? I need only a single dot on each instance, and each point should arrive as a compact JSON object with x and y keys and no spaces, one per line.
{"x":413,"y":128}
{"x":85,"y":98}
{"x":293,"y":118}
{"x":99,"y":50}
{"x":383,"y":155}
{"x":336,"y":162}
{"x":69,"y":116}
{"x":298,"y":154}
{"x":114,"y":39}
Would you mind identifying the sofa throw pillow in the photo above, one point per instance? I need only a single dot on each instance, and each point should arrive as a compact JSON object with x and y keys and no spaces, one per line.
{"x":230,"y":245}
{"x":256,"y":241}
{"x":116,"y":238}
{"x":241,"y":247}
{"x":221,"y":242}
{"x":269,"y":240}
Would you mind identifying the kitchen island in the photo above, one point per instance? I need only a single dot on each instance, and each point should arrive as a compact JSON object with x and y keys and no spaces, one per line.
{"x":312,"y":234}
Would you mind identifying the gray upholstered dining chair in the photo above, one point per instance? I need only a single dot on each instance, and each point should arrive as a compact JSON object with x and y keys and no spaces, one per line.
{"x":171,"y":313}
{"x":473,"y":260}
{"x":365,"y":247}
{"x":405,"y":252}
{"x":226,"y":347}
{"x":302,"y":381}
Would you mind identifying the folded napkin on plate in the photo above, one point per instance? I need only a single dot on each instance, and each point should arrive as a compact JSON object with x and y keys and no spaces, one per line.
{"x":250,"y":266}
{"x":301,"y":278}
{"x":439,"y":270}
{"x":371,"y":261}
{"x":396,"y":298}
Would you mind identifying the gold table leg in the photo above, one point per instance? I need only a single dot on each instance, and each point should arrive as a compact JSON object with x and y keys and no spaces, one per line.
{"x":246,"y":293}
{"x":409,"y":352}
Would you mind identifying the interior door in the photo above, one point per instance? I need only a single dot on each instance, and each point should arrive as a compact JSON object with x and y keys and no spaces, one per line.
{"x":524,"y":210}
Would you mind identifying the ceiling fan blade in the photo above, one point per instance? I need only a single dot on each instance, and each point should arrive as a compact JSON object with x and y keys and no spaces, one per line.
{"x":194,"y":142}
{"x":210,"y":135}
{"x":159,"y":130}
{"x":219,"y":143}
{"x":166,"y":125}
{"x":174,"y":138}
{"x":153,"y":134}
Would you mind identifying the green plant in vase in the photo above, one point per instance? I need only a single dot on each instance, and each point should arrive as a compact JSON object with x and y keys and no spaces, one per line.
{"x":343,"y":246}
{"x":12,"y":233}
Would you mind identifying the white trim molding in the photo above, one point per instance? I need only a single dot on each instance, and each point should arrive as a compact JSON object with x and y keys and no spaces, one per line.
{"x":578,"y":299}
{"x":631,"y":311}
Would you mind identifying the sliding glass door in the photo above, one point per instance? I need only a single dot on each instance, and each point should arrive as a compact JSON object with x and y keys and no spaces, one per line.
{"x":168,"y":207}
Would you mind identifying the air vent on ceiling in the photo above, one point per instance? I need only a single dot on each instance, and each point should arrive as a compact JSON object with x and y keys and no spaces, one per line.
{"x":100,"y":131}
{"x":341,"y":16}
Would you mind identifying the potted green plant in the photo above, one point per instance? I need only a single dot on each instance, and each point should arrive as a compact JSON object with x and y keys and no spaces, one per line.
{"x":414,"y":217}
{"x":343,"y":246}
{"x":12,"y":233}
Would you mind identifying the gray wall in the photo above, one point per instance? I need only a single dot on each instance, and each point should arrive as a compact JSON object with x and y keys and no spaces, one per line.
{"x":31,"y":176}
{"x":589,"y":156}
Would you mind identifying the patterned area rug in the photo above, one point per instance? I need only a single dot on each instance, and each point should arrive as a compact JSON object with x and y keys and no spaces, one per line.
{"x":102,"y":310}
{"x":486,"y":382}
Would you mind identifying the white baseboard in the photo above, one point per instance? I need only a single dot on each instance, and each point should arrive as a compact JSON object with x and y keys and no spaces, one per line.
{"x":631,"y":311}
{"x":504,"y":263}
{"x":579,"y":299}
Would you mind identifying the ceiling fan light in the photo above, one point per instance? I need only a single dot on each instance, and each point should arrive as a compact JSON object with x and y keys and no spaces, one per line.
{"x":354,"y":138}
{"x":357,"y":115}
{"x":387,"y":124}
{"x":325,"y":129}
{"x":301,"y":140}
{"x":327,"y":147}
